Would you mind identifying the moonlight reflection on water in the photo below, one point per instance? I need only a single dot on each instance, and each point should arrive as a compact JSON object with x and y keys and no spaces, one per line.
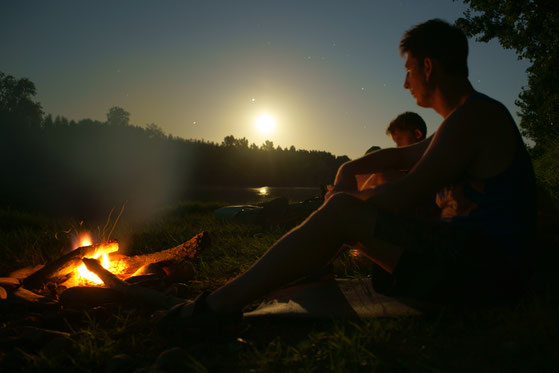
{"x":239,"y":195}
{"x":263,"y":191}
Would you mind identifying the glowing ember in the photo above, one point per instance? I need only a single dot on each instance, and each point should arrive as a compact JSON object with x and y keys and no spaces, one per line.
{"x":354,"y":253}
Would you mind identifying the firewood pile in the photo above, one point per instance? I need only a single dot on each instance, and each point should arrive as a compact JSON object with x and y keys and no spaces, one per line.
{"x":37,"y":302}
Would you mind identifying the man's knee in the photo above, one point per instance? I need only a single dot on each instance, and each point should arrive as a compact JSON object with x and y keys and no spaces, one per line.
{"x":350,"y":215}
{"x":340,"y":205}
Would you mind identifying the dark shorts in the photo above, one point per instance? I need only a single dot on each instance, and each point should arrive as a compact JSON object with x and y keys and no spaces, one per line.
{"x":442,"y":261}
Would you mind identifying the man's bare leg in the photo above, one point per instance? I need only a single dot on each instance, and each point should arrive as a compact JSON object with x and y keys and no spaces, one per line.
{"x":304,"y":250}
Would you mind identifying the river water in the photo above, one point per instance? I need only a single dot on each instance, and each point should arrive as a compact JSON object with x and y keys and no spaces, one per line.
{"x":234,"y":195}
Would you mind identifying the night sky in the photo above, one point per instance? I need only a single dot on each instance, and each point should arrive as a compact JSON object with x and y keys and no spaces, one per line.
{"x":328,"y":72}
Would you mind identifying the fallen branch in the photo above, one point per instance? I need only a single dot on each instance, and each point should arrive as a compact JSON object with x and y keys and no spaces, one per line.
{"x":188,"y":250}
{"x":137,"y":294}
{"x":67,"y":263}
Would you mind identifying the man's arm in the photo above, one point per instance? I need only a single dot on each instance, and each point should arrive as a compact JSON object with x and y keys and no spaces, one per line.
{"x":402,"y":158}
{"x":453,"y":149}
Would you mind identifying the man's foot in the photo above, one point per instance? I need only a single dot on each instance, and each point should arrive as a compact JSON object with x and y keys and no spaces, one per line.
{"x":196,"y":315}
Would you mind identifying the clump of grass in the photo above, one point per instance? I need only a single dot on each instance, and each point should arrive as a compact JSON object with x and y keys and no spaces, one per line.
{"x":31,"y":238}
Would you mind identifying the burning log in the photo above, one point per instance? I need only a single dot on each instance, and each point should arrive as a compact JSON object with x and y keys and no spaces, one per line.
{"x":137,"y":294}
{"x":86,"y":297}
{"x":67,"y":263}
{"x":185,"y":251}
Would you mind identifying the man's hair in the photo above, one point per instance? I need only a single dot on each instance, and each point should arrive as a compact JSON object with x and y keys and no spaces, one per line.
{"x":408,"y":121}
{"x":440,"y":41}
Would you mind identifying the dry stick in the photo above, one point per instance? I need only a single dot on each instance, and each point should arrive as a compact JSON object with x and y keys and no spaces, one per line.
{"x":187,"y":250}
{"x":64,"y":265}
{"x":138,"y":294}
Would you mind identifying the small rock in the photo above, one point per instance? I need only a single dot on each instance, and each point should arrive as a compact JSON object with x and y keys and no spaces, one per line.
{"x":121,"y":363}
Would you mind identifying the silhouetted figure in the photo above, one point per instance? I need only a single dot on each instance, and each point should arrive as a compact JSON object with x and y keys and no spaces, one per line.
{"x":406,"y":129}
{"x":477,"y":152}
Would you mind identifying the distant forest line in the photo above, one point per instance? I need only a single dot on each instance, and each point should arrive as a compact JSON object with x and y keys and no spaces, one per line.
{"x":58,"y":165}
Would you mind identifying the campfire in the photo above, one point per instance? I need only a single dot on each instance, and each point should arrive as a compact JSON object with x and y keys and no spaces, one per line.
{"x":83,"y":276}
{"x":95,"y":272}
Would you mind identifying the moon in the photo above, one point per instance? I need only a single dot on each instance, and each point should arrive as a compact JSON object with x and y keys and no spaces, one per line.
{"x":265,"y":124}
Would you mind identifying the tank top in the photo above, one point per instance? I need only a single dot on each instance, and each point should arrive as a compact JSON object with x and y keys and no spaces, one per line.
{"x":503,"y":206}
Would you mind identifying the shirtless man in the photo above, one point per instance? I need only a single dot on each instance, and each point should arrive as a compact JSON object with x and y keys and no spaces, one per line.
{"x":476,"y":154}
{"x":406,"y":129}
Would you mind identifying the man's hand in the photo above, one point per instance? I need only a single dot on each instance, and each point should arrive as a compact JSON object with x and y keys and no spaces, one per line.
{"x":331,"y":191}
{"x":344,"y":182}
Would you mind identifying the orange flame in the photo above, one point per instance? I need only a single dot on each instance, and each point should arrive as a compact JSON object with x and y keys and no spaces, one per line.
{"x":84,"y":240}
{"x":86,"y":275}
{"x":83,"y":275}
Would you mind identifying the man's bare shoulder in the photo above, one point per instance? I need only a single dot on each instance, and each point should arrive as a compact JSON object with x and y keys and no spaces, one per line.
{"x":484,"y":129}
{"x":480,"y":109}
{"x":480,"y":116}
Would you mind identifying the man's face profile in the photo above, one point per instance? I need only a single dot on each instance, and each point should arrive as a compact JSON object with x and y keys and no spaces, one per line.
{"x":415,"y":80}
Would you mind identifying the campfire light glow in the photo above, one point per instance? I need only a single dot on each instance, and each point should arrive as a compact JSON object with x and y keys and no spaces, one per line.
{"x":85,"y":240}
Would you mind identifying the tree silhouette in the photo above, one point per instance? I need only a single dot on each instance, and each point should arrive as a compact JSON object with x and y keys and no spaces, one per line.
{"x":231,"y":141}
{"x":155,"y":131}
{"x":17,"y":107}
{"x":117,"y":116}
{"x":268,"y":145}
{"x":531,"y":28}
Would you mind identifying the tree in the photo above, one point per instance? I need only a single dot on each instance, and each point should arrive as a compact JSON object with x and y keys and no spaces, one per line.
{"x":117,"y":116}
{"x":231,"y":141}
{"x":531,"y":28}
{"x":228,"y":141}
{"x":60,"y":122}
{"x":154,"y":131}
{"x":17,"y":107}
{"x":242,"y":143}
{"x":268,"y":145}
{"x":47,"y":122}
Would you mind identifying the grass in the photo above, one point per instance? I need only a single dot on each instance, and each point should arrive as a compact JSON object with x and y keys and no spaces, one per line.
{"x":490,"y":339}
